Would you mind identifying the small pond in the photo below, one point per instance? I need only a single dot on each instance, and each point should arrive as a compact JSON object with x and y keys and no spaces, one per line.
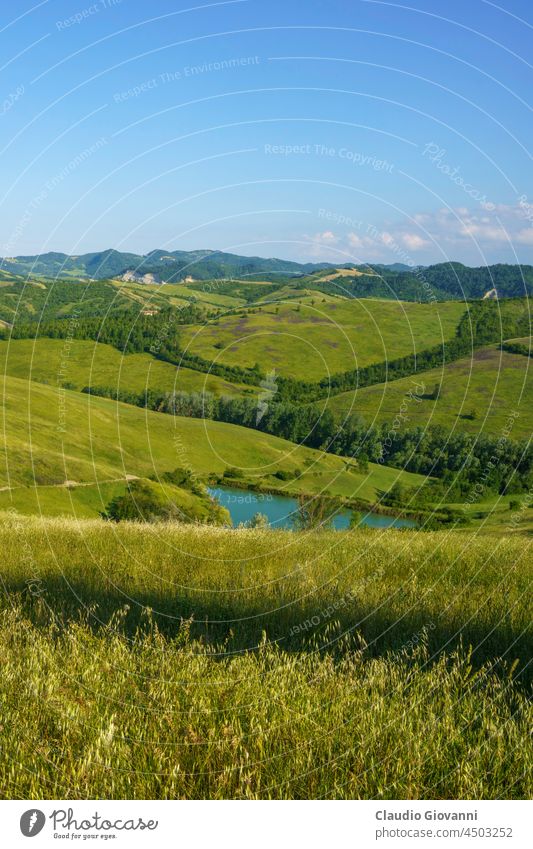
{"x":280,"y":510}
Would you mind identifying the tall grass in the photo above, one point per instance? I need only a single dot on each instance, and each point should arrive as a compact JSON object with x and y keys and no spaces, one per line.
{"x":181,"y":662}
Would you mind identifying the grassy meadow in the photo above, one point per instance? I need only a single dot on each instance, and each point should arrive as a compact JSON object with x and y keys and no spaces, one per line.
{"x":178,"y":294}
{"x":54,"y":436}
{"x":188,"y":661}
{"x":477,"y":394}
{"x":192,"y":662}
{"x":322,"y":335}
{"x":79,"y":363}
{"x":84,"y":501}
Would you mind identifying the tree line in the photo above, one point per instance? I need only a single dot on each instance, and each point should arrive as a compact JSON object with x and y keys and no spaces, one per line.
{"x":517,"y":348}
{"x":459,"y":459}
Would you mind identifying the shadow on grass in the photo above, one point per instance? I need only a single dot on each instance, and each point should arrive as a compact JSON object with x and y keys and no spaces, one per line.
{"x":233,"y":624}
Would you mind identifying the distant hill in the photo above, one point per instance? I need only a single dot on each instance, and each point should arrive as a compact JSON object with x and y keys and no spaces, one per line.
{"x":168,"y":266}
{"x":444,"y":281}
{"x":459,"y":281}
{"x":94,"y":265}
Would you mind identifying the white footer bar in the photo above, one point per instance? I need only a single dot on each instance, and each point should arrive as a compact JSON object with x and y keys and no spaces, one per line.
{"x":267,"y":825}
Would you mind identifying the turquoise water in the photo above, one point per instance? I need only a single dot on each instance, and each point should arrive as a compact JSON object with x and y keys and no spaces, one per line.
{"x":280,"y":510}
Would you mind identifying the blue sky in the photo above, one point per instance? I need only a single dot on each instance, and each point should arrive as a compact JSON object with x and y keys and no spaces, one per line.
{"x":339,"y":131}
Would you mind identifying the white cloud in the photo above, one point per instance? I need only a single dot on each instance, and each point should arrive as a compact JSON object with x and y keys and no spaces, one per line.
{"x":469,"y":235}
{"x":322,"y":246}
{"x":525,"y":237}
{"x":356,"y":241}
{"x":328,"y":237}
{"x":414,"y":242}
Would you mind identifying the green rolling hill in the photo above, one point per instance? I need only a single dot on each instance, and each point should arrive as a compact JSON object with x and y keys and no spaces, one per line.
{"x":477,"y":394}
{"x":78,"y":363}
{"x":312,"y":339}
{"x":41,"y":299}
{"x":55,"y":436}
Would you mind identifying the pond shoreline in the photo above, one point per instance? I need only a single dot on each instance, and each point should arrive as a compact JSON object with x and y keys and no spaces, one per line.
{"x":280,"y":509}
{"x":359,"y":505}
